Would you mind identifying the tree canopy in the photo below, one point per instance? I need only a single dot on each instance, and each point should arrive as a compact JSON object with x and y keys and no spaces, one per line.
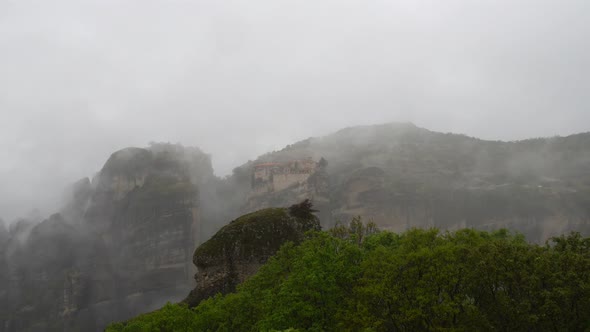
{"x":420,"y":280}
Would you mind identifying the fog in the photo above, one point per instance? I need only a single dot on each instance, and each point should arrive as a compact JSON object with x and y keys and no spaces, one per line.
{"x":81,"y":79}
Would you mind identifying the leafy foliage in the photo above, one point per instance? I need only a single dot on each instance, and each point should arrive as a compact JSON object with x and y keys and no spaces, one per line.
{"x":257,"y":233}
{"x":302,"y":210}
{"x":172,"y":317}
{"x":356,"y":231}
{"x":419,"y":280}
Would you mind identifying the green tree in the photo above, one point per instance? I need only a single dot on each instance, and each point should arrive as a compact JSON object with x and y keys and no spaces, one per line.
{"x":356,"y":279}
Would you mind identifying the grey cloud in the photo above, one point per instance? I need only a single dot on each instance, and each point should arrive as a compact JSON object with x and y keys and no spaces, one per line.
{"x":80,"y":79}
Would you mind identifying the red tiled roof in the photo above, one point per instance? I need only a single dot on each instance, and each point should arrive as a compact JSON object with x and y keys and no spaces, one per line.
{"x":268,"y":164}
{"x":302,"y":162}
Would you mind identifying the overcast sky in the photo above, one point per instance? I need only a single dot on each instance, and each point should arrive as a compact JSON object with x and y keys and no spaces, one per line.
{"x":81,"y":79}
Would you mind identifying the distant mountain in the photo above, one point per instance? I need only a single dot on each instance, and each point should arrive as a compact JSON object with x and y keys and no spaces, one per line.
{"x":124,"y":242}
{"x":402,"y":176}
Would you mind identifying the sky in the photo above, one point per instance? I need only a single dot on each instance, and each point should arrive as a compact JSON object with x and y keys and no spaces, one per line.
{"x":81,"y":79}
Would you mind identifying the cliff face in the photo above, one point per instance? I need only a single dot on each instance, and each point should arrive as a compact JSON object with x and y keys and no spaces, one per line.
{"x":151,"y":218}
{"x":240,"y":248}
{"x":146,"y":209}
{"x":402,"y":176}
{"x":121,"y":246}
{"x":286,"y":183}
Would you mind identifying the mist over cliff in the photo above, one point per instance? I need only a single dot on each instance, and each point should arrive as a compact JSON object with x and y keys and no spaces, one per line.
{"x":123,"y":242}
{"x":121,"y":245}
{"x":450,"y":114}
{"x":404,"y":176}
{"x":83,"y":79}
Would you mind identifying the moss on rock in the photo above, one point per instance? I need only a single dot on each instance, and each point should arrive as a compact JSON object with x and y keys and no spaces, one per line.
{"x":241,"y":247}
{"x":254,"y":236}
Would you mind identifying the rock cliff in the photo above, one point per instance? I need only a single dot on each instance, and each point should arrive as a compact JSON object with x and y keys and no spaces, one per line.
{"x":288,"y":182}
{"x":402,"y":176}
{"x":122,"y":245}
{"x":240,"y":248}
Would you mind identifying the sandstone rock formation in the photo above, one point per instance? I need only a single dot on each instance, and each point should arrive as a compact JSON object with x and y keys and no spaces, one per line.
{"x":402,"y":176}
{"x":288,"y":182}
{"x":240,"y":248}
{"x":122,"y":245}
{"x":124,"y":242}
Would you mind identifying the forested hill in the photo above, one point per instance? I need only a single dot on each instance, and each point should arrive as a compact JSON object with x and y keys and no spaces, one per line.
{"x":123,"y":243}
{"x":403,"y":176}
{"x":358,"y":279}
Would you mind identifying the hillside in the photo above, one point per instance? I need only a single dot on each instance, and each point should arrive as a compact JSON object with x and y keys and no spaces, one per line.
{"x":124,"y":242}
{"x":402,"y":176}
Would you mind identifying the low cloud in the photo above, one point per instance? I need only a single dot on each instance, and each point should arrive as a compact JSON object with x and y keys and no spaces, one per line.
{"x":81,"y":79}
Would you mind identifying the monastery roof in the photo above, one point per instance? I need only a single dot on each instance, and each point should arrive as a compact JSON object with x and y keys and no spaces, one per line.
{"x":268,"y":164}
{"x":303,"y":161}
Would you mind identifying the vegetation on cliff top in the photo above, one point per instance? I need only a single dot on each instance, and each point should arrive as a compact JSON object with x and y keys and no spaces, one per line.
{"x":419,"y":280}
{"x":258,"y":234}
